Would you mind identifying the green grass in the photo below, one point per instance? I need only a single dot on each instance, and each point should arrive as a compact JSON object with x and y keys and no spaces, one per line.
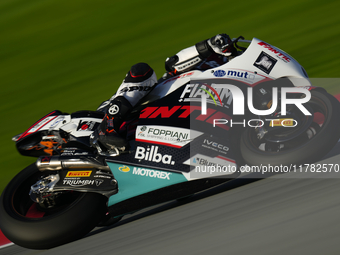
{"x":71,"y":55}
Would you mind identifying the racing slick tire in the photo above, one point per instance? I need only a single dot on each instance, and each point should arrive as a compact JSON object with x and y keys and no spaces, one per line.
{"x":30,"y":225}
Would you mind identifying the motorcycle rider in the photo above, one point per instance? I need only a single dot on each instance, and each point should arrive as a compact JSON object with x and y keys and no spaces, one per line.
{"x":141,"y":78}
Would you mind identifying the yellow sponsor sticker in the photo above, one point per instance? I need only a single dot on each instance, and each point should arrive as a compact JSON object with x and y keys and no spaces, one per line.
{"x":78,"y":174}
{"x":124,"y":169}
{"x":282,"y":122}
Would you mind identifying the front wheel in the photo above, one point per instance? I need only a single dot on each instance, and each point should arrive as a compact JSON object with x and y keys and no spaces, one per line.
{"x":37,"y":226}
{"x":316,"y":139}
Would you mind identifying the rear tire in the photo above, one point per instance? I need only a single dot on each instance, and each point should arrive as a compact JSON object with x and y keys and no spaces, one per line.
{"x":300,"y":150}
{"x":74,"y":216}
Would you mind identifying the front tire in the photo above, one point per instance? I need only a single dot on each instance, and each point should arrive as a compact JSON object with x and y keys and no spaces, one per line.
{"x":75,"y":214}
{"x":303,"y":149}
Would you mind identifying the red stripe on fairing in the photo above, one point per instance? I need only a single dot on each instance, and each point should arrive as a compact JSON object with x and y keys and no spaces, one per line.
{"x":226,"y":159}
{"x":25,"y":133}
{"x":160,"y":143}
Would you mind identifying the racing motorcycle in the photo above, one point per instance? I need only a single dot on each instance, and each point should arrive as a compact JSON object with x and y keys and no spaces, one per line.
{"x":187,"y":135}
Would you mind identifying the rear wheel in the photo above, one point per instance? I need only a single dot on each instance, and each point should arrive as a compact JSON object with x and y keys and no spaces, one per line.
{"x":39,"y":226}
{"x":307,"y":143}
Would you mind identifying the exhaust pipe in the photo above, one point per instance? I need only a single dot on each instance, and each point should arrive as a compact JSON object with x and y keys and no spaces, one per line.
{"x":57,"y":163}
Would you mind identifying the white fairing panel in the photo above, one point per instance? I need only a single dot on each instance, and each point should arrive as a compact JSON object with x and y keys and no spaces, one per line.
{"x":170,"y":85}
{"x":260,"y":60}
{"x":80,"y":127}
{"x":50,"y":123}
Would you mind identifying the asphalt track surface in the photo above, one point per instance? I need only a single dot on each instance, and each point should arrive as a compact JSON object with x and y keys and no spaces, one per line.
{"x":293,"y":213}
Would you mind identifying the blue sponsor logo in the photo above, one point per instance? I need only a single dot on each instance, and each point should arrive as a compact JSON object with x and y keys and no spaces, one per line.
{"x":219,"y":73}
{"x":238,"y":74}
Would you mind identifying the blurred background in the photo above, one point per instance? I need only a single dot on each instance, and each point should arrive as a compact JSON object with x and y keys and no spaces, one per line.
{"x":72,"y":55}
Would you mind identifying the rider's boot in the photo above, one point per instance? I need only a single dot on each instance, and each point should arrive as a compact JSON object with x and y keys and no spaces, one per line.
{"x":108,"y":131}
{"x":138,"y":82}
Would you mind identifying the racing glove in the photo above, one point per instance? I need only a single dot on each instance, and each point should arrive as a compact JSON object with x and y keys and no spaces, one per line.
{"x":221,"y":44}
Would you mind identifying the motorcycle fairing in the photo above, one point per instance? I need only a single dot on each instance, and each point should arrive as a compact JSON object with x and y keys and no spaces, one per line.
{"x":165,"y":194}
{"x":158,"y":162}
{"x":172,"y":115}
{"x":49,"y":134}
{"x":261,"y":60}
{"x":133,"y":180}
{"x":86,"y":180}
{"x":42,"y":138}
{"x":40,"y":124}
